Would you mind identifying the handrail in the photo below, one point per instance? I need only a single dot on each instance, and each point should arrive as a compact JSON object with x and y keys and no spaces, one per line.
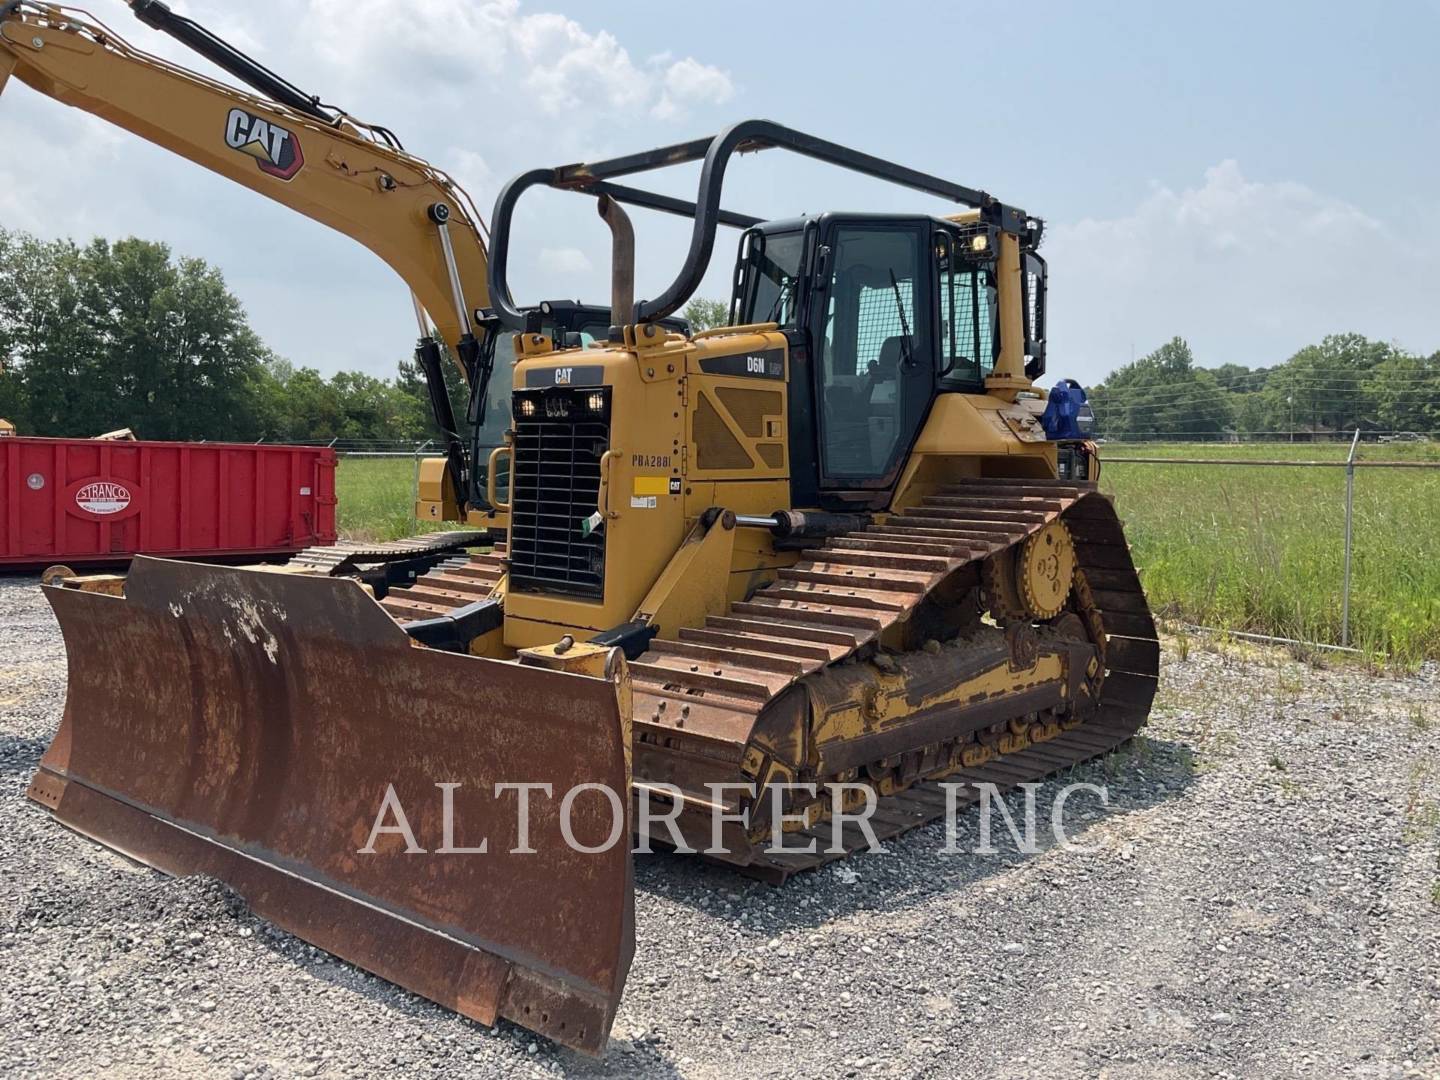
{"x":744,"y":328}
{"x":490,"y":488}
{"x":602,"y":498}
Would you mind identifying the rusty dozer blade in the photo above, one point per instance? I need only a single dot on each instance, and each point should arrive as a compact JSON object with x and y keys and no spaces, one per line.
{"x":253,"y":726}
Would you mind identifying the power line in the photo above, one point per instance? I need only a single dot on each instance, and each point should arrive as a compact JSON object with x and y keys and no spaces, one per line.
{"x":1166,"y":400}
{"x":1337,"y":435}
{"x":1132,"y":411}
{"x":1281,"y":370}
{"x":1282,"y":378}
{"x":1287,"y":387}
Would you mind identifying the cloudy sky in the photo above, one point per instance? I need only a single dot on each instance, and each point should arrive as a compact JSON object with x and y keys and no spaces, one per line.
{"x":1248,"y":176}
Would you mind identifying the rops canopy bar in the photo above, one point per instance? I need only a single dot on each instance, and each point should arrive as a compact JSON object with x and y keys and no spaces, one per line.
{"x":748,"y":135}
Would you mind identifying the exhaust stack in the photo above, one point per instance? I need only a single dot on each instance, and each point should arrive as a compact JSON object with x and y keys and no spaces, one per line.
{"x":622,"y":261}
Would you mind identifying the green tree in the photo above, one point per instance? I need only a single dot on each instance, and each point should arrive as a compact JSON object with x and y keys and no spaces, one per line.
{"x":372,"y":408}
{"x":123,"y":335}
{"x":49,"y":352}
{"x":1402,"y":393}
{"x":308,"y":408}
{"x":1239,"y":379}
{"x":1321,"y":387}
{"x":703,"y":314}
{"x":1250,"y":414}
{"x":1162,"y":395}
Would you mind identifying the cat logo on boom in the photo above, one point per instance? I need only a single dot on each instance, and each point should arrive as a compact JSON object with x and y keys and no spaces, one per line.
{"x":274,"y":149}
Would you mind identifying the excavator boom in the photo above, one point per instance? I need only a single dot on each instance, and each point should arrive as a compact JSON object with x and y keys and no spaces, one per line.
{"x":321,"y":163}
{"x":336,"y":171}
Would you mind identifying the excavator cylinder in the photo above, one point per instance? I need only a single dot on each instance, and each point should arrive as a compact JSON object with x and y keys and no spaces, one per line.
{"x":281,"y":732}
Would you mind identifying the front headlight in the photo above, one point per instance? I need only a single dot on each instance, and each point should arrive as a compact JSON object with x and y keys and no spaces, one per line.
{"x":526,"y":407}
{"x":595,"y":401}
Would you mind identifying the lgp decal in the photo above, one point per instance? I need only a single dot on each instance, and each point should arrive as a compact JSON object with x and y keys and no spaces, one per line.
{"x":276,"y":150}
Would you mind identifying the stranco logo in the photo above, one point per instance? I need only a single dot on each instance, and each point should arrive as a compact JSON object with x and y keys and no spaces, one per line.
{"x":103,"y":497}
{"x":274,"y":149}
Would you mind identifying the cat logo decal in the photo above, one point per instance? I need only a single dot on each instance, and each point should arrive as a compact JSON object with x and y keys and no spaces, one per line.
{"x":276,"y":150}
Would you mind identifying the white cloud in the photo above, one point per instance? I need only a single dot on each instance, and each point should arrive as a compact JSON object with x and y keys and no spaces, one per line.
{"x":1248,"y":271}
{"x":566,"y":260}
{"x":448,"y":45}
{"x":568,"y":68}
{"x":688,"y":82}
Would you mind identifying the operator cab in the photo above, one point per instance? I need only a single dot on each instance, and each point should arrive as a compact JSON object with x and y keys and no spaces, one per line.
{"x":886,"y":312}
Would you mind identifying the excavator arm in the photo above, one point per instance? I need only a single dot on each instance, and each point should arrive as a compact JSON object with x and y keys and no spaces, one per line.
{"x":311,"y":158}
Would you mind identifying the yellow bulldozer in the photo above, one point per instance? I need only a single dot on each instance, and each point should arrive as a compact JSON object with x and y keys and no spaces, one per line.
{"x":750,"y":591}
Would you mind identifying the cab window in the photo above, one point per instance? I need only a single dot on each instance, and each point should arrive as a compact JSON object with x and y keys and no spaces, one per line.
{"x":870,"y":348}
{"x":772,"y":267}
{"x":968,"y":343}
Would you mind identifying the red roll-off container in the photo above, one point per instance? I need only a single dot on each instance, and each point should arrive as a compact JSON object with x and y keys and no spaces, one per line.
{"x":87,"y":501}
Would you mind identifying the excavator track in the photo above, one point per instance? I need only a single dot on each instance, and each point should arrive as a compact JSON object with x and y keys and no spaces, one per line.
{"x":335,"y":559}
{"x":451,"y":585}
{"x":697,"y":699}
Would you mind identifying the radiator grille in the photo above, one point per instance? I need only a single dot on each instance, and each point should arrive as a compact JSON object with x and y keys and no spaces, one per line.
{"x":556,"y":488}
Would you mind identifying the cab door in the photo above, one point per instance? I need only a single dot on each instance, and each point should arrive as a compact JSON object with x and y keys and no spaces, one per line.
{"x":873,"y":356}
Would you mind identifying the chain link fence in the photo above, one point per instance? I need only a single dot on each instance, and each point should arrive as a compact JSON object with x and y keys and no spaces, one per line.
{"x":1333,"y":552}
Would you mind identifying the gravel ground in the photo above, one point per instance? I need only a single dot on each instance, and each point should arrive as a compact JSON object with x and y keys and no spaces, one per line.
{"x":1261,"y":898}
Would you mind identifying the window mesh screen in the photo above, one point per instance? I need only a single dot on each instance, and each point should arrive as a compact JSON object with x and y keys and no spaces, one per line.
{"x":966,"y":324}
{"x":878,"y":319}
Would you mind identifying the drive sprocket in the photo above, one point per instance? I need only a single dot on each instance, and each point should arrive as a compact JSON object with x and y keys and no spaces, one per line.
{"x":1031,"y":580}
{"x":1045,"y":570}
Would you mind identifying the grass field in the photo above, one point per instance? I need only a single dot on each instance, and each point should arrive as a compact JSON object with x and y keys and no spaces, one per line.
{"x":1262,"y":548}
{"x":376,"y":498}
{"x":1243,"y":548}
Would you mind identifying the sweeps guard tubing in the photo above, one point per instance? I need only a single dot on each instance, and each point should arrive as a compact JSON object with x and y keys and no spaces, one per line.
{"x":248,"y":724}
